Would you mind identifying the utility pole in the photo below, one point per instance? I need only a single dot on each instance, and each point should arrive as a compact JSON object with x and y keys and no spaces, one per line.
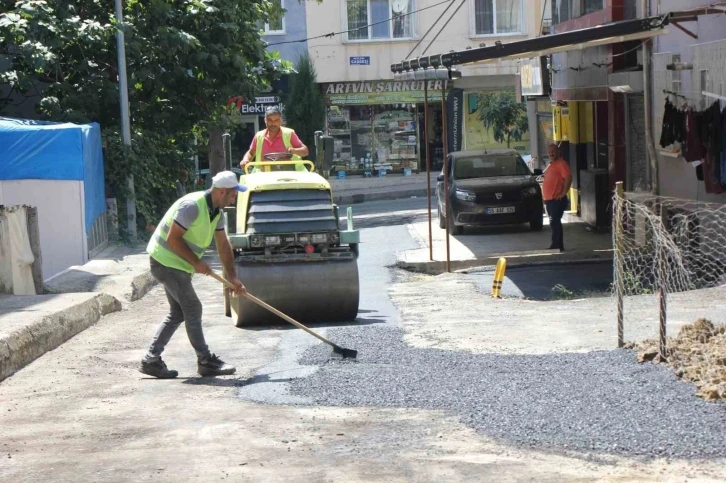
{"x":648,"y":105}
{"x":125,"y":122}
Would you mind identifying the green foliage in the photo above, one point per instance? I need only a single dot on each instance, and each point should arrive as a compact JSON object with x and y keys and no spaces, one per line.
{"x":306,"y":111}
{"x":507,"y":118}
{"x":149,"y":153}
{"x":184,"y":58}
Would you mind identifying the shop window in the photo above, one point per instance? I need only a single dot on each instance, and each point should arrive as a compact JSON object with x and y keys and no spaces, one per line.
{"x":370,"y":138}
{"x":276,"y":26}
{"x":497,"y":17}
{"x":379,"y":19}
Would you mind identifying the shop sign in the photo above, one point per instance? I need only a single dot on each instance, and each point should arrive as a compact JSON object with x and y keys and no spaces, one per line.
{"x":360,"y":60}
{"x":454,"y":118}
{"x":533,"y":77}
{"x":258,"y":107}
{"x":382,"y":92}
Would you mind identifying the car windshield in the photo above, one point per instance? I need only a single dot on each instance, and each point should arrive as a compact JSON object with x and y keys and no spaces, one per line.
{"x":490,"y":165}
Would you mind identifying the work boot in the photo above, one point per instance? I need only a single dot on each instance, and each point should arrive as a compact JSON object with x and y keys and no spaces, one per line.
{"x":157,"y":369}
{"x":214,"y":366}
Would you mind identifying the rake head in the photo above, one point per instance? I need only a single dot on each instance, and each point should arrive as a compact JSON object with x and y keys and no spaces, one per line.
{"x":346,"y":353}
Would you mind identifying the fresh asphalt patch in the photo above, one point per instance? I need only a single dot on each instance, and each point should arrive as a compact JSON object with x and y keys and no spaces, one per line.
{"x":596,"y":402}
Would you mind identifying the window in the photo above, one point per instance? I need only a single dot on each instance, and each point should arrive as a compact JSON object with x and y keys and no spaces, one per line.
{"x":497,"y":17}
{"x":276,"y":26}
{"x":391,"y":19}
{"x":564,"y":10}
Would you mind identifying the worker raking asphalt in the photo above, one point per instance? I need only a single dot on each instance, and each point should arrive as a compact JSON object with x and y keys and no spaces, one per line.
{"x":596,"y":402}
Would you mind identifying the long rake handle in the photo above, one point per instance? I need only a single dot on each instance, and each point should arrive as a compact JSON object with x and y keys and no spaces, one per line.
{"x":272,"y":309}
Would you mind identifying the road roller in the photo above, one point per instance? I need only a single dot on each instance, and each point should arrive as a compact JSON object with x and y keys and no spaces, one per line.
{"x":290,"y":249}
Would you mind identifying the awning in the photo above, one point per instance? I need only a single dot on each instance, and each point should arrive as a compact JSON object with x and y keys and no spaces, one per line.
{"x":605,"y":34}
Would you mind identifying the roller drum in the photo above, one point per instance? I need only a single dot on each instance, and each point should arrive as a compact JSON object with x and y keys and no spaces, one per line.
{"x":307,"y":291}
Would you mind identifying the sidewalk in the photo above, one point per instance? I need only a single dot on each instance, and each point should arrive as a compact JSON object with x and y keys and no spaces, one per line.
{"x":478,"y":247}
{"x":77,"y":298}
{"x":357,"y":189}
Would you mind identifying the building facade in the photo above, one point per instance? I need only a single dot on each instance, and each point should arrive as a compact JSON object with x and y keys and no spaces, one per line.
{"x":599,"y":108}
{"x":376,"y":120}
{"x":687,"y":63}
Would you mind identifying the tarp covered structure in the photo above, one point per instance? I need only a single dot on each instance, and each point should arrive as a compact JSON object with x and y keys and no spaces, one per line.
{"x":55,"y":151}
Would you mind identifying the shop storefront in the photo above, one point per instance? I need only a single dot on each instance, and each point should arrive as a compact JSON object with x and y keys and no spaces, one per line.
{"x":378,"y":126}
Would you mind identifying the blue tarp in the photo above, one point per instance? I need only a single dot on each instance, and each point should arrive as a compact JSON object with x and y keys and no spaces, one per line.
{"x":55,"y":151}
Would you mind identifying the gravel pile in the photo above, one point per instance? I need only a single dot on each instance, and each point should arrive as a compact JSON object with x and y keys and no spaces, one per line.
{"x":598,"y":402}
{"x":698,"y":355}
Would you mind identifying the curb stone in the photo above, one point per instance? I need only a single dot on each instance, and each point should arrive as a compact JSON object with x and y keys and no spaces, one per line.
{"x":141,"y":285}
{"x":28,"y":343}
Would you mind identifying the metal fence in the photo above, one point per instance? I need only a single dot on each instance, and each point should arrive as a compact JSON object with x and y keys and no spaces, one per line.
{"x":665,"y":246}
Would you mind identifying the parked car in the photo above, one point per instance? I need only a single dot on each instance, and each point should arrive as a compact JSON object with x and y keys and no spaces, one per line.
{"x":492,"y":187}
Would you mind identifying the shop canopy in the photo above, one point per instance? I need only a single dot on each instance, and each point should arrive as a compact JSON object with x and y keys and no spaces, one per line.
{"x":604,"y":34}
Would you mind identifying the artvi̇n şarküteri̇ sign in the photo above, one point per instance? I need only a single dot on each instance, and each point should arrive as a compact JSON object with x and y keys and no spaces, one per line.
{"x":382,"y":92}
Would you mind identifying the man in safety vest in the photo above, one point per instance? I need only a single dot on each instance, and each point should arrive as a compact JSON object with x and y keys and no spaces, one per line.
{"x":176,"y":249}
{"x":274,"y":139}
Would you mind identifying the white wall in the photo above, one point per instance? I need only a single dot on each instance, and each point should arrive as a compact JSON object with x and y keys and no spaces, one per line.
{"x":61,"y":213}
{"x":331,"y":55}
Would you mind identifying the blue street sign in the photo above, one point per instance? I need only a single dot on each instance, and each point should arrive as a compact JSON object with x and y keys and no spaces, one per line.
{"x":360,"y":60}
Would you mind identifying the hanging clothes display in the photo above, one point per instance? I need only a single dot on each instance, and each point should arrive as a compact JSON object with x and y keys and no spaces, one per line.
{"x":702,"y":135}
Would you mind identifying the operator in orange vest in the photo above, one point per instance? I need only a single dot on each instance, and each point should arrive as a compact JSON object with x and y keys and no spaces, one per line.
{"x":274,"y":139}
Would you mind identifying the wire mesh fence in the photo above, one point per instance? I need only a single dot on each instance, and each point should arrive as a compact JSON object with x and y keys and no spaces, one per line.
{"x":669,"y":265}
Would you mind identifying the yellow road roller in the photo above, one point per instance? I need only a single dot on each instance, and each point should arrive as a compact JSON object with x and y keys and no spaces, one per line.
{"x":290,"y":250}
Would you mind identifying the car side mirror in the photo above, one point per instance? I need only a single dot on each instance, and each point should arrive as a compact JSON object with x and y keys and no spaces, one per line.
{"x":440,"y":177}
{"x":538,"y":172}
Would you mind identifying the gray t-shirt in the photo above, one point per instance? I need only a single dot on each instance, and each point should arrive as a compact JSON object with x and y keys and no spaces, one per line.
{"x":188,"y":212}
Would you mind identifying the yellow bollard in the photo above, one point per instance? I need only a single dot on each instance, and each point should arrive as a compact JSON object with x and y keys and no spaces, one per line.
{"x":499,"y":278}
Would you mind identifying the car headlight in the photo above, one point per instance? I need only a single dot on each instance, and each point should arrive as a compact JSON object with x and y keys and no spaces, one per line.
{"x":531,"y":191}
{"x":465,"y":195}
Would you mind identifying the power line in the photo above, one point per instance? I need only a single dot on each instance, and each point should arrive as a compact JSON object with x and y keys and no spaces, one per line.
{"x":430,"y":28}
{"x":333,"y":34}
{"x":443,"y":27}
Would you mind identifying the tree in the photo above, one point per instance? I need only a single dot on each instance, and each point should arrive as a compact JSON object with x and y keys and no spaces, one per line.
{"x":306,"y":112}
{"x":185,"y":58}
{"x":503,"y":115}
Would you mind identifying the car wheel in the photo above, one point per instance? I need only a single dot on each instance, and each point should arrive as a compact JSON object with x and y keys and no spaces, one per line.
{"x":536,"y":223}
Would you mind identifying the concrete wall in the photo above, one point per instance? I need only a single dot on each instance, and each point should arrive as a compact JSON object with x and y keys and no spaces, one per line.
{"x":677,"y":178}
{"x":61,"y":220}
{"x":332,"y":55}
{"x":295,"y":29}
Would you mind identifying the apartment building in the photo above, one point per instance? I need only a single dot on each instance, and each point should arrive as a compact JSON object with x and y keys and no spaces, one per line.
{"x":375,"y":119}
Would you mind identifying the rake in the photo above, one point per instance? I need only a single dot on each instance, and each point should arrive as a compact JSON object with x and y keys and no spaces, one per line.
{"x":346,"y":353}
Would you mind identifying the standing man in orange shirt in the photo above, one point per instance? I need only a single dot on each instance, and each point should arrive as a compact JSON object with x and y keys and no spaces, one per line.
{"x":557,"y":182}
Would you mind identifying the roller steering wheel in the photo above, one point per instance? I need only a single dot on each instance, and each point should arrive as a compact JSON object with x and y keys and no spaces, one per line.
{"x":278,"y":157}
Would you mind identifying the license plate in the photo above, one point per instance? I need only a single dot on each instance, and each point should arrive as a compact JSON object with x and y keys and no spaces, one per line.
{"x":500,"y":210}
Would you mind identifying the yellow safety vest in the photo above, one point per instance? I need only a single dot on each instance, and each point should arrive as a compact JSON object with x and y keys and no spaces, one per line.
{"x":286,"y":139}
{"x":198,"y":236}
